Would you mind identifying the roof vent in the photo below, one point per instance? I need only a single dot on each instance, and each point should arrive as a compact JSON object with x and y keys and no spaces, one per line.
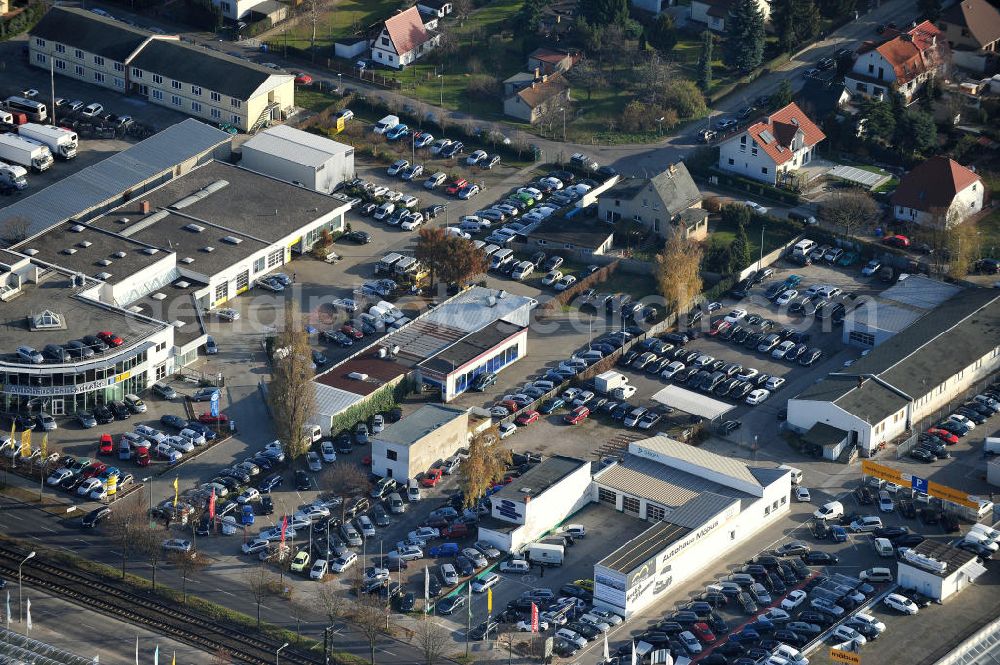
{"x":187,"y":260}
{"x":135,"y":309}
{"x":104,"y":262}
{"x":182,"y":284}
{"x":70,"y":250}
{"x":103,"y":276}
{"x":150,"y":250}
{"x":194,"y":228}
{"x":208,"y":250}
{"x":30,"y":251}
{"x":177,"y":323}
{"x":46,"y":319}
{"x":119,"y":255}
{"x":357,"y":376}
{"x":84,"y":244}
{"x":232,"y":240}
{"x":123,"y":220}
{"x":159,"y":296}
{"x":76,"y":228}
{"x":525,"y":490}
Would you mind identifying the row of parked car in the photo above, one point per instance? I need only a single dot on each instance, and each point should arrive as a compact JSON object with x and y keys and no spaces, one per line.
{"x":77,"y":349}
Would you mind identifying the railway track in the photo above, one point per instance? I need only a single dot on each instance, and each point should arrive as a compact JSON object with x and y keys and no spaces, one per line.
{"x":195,"y":629}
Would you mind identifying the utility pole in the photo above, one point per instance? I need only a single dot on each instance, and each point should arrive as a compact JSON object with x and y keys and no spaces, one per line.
{"x":760,"y":261}
{"x":52,"y":85}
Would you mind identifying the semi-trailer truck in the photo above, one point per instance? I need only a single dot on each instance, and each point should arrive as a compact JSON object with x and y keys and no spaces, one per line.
{"x":27,"y":153}
{"x":60,"y":141}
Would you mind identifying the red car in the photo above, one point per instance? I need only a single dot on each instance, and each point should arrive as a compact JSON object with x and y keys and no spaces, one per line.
{"x":896,"y":241}
{"x":703,"y":632}
{"x":577,"y":415}
{"x":94,"y":469}
{"x":453,"y":188}
{"x":719,"y":326}
{"x":944,"y":435}
{"x":301,"y":78}
{"x":105,"y":446}
{"x":351,"y":331}
{"x":510,"y":405}
{"x":526,"y":417}
{"x":109,"y":338}
{"x":432,"y":478}
{"x":142,"y":456}
{"x":208,"y":419}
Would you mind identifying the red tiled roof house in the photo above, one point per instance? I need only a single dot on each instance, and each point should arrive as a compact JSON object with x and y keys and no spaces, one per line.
{"x":771,"y":149}
{"x":902,"y":63}
{"x":938,"y":192}
{"x":403,"y":40}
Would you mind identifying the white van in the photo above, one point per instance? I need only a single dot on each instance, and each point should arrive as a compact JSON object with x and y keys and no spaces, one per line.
{"x":980,"y":538}
{"x":876,"y":574}
{"x":385,"y":124}
{"x":803,"y":248}
{"x":396,"y":505}
{"x":501,"y":258}
{"x":796,"y":473}
{"x":988,"y":533}
{"x":883,"y":547}
{"x":381,"y":314}
{"x":490,"y":250}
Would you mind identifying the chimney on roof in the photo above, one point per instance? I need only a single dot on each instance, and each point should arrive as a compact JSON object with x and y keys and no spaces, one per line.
{"x":545,"y":78}
{"x":933,"y":40}
{"x":861,"y":382}
{"x":144,"y":207}
{"x":672,"y":169}
{"x":536,"y":72}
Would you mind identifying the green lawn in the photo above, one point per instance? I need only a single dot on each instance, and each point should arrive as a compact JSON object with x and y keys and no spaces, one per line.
{"x":312,"y":99}
{"x":989,"y":230}
{"x":342,"y":20}
{"x":773,"y":235}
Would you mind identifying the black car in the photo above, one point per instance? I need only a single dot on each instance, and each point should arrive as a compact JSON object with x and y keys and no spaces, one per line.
{"x":864,"y":495}
{"x":575,"y":591}
{"x":95,"y":517}
{"x":464,"y":565}
{"x":731,"y":649}
{"x":817,"y":618}
{"x":922,"y":455}
{"x":104,"y":415}
{"x":482,"y":630}
{"x":360,"y":237}
{"x":587,"y":631}
{"x":564,"y":648}
{"x":70,"y":483}
{"x":907,"y":509}
{"x":820,"y":559}
{"x":949,"y":522}
{"x":121,"y":411}
{"x":343,"y":444}
{"x":790,"y":637}
{"x":717,"y":624}
{"x":451,"y":603}
{"x":302,"y":481}
{"x":265,"y":506}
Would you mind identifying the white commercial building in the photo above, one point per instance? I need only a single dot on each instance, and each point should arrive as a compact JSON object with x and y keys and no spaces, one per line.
{"x":413,"y":445}
{"x":938,"y":570}
{"x":909,"y":377}
{"x":303,"y":158}
{"x":536,"y":502}
{"x":879,"y":317}
{"x":702,"y":505}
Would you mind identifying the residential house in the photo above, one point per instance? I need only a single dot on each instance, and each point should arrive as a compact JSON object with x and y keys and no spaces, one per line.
{"x":822,"y":99}
{"x":160,"y":69}
{"x":774,"y":148}
{"x":237,"y":10}
{"x":938,"y":192}
{"x":902,"y":63}
{"x":713,"y":13}
{"x":404,"y":39}
{"x":441,"y":8}
{"x":546,"y":60}
{"x":543,"y":95}
{"x":667,"y":202}
{"x":579,"y":238}
{"x":972,"y":28}
{"x":654,"y":6}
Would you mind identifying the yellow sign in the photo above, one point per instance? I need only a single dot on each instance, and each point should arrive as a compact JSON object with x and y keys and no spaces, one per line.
{"x":121,"y":377}
{"x":841,"y":656}
{"x":340,"y":124}
{"x":489,"y":601}
{"x":886,"y":473}
{"x":948,"y":494}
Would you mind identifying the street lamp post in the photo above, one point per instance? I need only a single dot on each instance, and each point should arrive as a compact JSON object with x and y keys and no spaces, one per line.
{"x":278,"y":652}
{"x":563,"y":109}
{"x":148,"y":480}
{"x":441,"y":90}
{"x":19,"y":613}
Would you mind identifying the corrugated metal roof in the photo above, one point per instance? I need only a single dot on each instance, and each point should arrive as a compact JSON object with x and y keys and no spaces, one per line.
{"x":296,"y":145}
{"x":668,"y":447}
{"x":700,"y":509}
{"x":643,"y":547}
{"x":470,"y":310}
{"x":663,"y":485}
{"x":332,"y":401}
{"x":107,"y":180}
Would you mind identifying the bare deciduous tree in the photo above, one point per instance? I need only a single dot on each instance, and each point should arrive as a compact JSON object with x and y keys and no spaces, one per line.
{"x":128,"y":519}
{"x":431,"y":639}
{"x":221,"y":657}
{"x":259,"y":582}
{"x":851,"y":210}
{"x":150,"y":545}
{"x":188,"y":563}
{"x":368,"y":614}
{"x":291,"y":393}
{"x":345,"y":480}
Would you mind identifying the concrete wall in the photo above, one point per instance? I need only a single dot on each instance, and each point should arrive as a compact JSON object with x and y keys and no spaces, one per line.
{"x":411,"y":460}
{"x":334,"y":172}
{"x":803,"y":414}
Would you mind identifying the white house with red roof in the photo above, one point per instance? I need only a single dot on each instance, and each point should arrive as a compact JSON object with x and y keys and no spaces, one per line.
{"x":902,"y":63}
{"x":403,"y":40}
{"x":938,"y":192}
{"x":769,"y":150}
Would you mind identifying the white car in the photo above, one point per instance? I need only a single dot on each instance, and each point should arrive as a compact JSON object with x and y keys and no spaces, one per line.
{"x":397,"y":167}
{"x":551,"y":278}
{"x":885,"y":503}
{"x":774,"y":383}
{"x":747,"y":374}
{"x":147,"y":432}
{"x":342,"y":563}
{"x":410,"y":201}
{"x":484,"y":582}
{"x":757,"y":396}
{"x":689,"y":641}
{"x":779,"y":351}
{"x":412,"y":222}
{"x":793,"y":600}
{"x":196,"y":438}
{"x":507,"y":429}
{"x":900,"y":603}
{"x":554,"y":183}
{"x":91,"y":110}
{"x":962,"y":420}
{"x":248,"y":495}
{"x":318,"y":570}
{"x":756,"y":207}
{"x":423,"y":533}
{"x":177,"y":545}
{"x":228,"y":314}
{"x":672,"y":369}
{"x":830,"y":511}
{"x":308,"y":514}
{"x":327,"y":451}
{"x":180,"y":444}
{"x":435,"y":180}
{"x":786,"y":297}
{"x":524,"y":626}
{"x":802,"y":495}
{"x":88,"y":486}
{"x":449,"y":575}
{"x":564,"y":283}
{"x":255,"y":546}
{"x":844,"y":633}
{"x":475,"y":157}
{"x":735,"y":315}
{"x":866,"y":523}
{"x":313,"y":461}
{"x":58,"y":476}
{"x":572,"y":637}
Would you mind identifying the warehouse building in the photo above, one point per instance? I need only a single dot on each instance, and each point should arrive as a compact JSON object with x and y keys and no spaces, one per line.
{"x":160,"y":69}
{"x":701,"y":504}
{"x":938,"y":570}
{"x":535,"y":502}
{"x":910,"y":376}
{"x":292,"y":155}
{"x":878,"y":318}
{"x":407,"y":448}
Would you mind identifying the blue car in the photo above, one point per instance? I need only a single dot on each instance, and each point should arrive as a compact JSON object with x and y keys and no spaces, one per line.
{"x":397,"y":132}
{"x":551,"y":405}
{"x":202,"y":429}
{"x":838,"y":534}
{"x":272,"y":481}
{"x":247,"y":515}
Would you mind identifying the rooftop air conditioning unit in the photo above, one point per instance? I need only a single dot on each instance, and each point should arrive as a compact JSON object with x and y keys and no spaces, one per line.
{"x":382,"y":352}
{"x":358,"y":376}
{"x":76,"y":228}
{"x":119,"y":255}
{"x":70,"y":251}
{"x":491,"y":301}
{"x":84,"y":244}
{"x":196,"y":228}
{"x":103,"y":276}
{"x":208,"y":250}
{"x":159,"y":296}
{"x":926,"y":562}
{"x":150,"y":250}
{"x":187,"y":260}
{"x":104,"y":262}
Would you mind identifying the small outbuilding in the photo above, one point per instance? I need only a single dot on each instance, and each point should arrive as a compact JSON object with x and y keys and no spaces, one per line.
{"x":299,"y":157}
{"x":938,"y":570}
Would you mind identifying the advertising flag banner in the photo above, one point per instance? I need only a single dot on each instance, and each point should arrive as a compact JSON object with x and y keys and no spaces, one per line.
{"x":28,"y":614}
{"x":26,"y":443}
{"x":534,"y":618}
{"x":211,"y":506}
{"x":45,"y":445}
{"x":177,"y":492}
{"x":489,"y":601}
{"x":284,"y":527}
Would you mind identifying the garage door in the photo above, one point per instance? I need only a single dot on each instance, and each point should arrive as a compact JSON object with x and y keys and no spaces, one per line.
{"x":694,"y":403}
